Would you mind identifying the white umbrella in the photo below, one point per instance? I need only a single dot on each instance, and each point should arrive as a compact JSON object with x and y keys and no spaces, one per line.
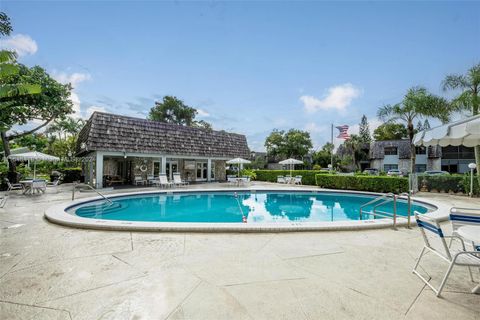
{"x":238,"y":161}
{"x":33,"y":155}
{"x":291,"y":162}
{"x":463,"y":132}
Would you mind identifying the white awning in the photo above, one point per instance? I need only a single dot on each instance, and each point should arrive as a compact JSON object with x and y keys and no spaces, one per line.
{"x":463,"y":132}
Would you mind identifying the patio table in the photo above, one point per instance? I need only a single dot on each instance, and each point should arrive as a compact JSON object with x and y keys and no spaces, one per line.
{"x":28,"y":184}
{"x":471,"y":233}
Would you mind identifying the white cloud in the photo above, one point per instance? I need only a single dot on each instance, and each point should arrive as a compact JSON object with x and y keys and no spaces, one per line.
{"x":73,"y":78}
{"x":337,"y":97}
{"x":21,"y":43}
{"x":76,"y":104}
{"x":92,"y":109}
{"x":313,"y":128}
{"x":203,"y":113}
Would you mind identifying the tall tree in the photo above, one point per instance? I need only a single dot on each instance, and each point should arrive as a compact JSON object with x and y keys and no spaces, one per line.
{"x":468,"y":99}
{"x":364,"y":131}
{"x":173,"y":110}
{"x":416,"y":104}
{"x":9,"y":68}
{"x":294,"y":143}
{"x":52,"y":102}
{"x":354,"y":145}
{"x":323,"y":156}
{"x":390,"y":131}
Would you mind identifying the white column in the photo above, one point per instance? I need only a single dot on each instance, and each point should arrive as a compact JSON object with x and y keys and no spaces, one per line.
{"x":163,"y":165}
{"x":99,"y":170}
{"x":209,"y":169}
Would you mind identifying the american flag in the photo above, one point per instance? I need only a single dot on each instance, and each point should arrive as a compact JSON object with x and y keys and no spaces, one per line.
{"x":343,"y":132}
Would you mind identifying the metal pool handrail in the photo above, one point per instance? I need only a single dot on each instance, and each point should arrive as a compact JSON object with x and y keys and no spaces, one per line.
{"x":75,"y":185}
{"x":386,"y":198}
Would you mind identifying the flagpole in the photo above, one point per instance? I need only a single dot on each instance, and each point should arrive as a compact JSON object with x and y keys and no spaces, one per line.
{"x":331,"y":153}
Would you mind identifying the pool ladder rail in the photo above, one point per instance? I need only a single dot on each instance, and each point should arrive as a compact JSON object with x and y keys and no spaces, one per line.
{"x":384,"y":199}
{"x":83,"y":185}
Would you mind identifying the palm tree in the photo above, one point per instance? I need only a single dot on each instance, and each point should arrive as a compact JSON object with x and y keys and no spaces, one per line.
{"x":469,"y":99}
{"x":418,"y":103}
{"x":353,"y":145}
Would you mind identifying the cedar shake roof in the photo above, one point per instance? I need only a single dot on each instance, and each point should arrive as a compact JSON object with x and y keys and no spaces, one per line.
{"x":112,"y":132}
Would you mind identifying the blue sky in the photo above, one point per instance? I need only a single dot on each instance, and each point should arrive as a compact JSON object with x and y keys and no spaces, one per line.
{"x":248,"y":67}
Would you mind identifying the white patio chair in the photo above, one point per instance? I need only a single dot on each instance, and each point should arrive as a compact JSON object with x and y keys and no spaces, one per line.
{"x":435,"y":242}
{"x":14,"y":186}
{"x":232,"y":179}
{"x":297,"y":180}
{"x":150,"y":179}
{"x":177,"y":180}
{"x":39,"y":185}
{"x":163,"y":181}
{"x":462,"y":217}
{"x":3,"y":199}
{"x":281,"y":179}
{"x":138,"y":180}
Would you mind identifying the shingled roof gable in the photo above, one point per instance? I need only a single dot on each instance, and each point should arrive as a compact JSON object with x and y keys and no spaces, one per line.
{"x":111,"y":132}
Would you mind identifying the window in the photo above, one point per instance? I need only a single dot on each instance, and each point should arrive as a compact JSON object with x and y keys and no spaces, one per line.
{"x":156,"y":168}
{"x":390,"y":151}
{"x":387,"y":167}
{"x":420,"y":150}
{"x":420,"y":167}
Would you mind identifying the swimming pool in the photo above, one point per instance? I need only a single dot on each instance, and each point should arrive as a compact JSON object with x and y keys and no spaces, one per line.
{"x":250,"y":207}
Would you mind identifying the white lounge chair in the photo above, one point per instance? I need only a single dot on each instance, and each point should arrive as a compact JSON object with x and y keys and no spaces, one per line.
{"x":14,"y":186}
{"x":54,"y":184}
{"x":460,"y":217}
{"x":281,"y":179}
{"x":150,"y":179}
{"x":435,"y":242}
{"x":177,"y":180}
{"x":297,"y":180}
{"x":163,"y":181}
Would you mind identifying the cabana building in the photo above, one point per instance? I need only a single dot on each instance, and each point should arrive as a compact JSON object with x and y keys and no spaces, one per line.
{"x":123,"y":148}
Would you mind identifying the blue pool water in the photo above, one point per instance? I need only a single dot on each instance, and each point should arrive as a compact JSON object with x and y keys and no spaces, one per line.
{"x":258,"y":207}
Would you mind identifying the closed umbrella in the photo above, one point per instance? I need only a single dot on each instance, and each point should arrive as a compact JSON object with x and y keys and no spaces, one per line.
{"x":33,"y":156}
{"x":239,"y":162}
{"x":291,"y":162}
{"x":463,"y":132}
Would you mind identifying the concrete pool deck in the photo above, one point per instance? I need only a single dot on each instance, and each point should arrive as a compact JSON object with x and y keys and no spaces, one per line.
{"x":48,"y":271}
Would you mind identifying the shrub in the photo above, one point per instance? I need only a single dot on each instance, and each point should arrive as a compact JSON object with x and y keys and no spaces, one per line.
{"x":363,"y":183}
{"x":249,"y":173}
{"x":445,"y":183}
{"x":467,"y":182}
{"x":71,"y":174}
{"x":308,"y":176}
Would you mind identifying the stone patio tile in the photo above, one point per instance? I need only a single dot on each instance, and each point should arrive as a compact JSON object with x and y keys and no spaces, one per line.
{"x":13,"y":311}
{"x":154,"y":296}
{"x":50,"y":281}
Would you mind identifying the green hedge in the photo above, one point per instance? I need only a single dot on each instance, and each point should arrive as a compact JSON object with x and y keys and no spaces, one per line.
{"x":448,"y":183}
{"x":308,"y":176}
{"x":363,"y":183}
{"x":71,"y":174}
